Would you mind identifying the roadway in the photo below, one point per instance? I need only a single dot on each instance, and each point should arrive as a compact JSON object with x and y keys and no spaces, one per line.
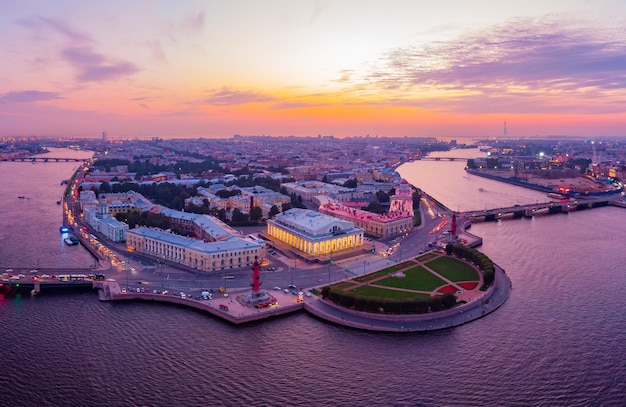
{"x":130,"y":268}
{"x":161,"y":274}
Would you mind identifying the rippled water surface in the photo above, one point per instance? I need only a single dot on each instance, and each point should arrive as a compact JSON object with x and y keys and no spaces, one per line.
{"x":558,"y":340}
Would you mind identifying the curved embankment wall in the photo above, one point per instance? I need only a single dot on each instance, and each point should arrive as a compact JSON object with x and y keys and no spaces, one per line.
{"x":492,"y":298}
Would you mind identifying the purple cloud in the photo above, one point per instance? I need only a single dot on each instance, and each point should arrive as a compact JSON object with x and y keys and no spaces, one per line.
{"x":28,"y":96}
{"x":79,"y":51}
{"x":562,"y":59}
{"x":226,"y":97}
{"x":38,"y":24}
{"x":193,"y":24}
{"x":95,"y":67}
{"x":297,"y":105}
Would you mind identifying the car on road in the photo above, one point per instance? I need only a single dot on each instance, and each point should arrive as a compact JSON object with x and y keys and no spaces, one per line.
{"x":277,"y":288}
{"x":291,"y":286}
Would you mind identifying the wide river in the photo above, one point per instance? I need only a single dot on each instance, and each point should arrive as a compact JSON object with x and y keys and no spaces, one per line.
{"x":559,"y":339}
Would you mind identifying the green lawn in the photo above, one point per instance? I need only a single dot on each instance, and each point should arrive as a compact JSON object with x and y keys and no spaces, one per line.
{"x":344,"y":285}
{"x":381,"y":273}
{"x":427,"y":256}
{"x":416,"y":278}
{"x":369,"y":291}
{"x":453,"y":269}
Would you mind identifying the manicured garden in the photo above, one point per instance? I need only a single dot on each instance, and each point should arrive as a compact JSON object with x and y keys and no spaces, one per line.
{"x":407,"y":287}
{"x":371,"y":291}
{"x":416,"y":278}
{"x":453,"y":269}
{"x":426,"y":257}
{"x":383,"y":272}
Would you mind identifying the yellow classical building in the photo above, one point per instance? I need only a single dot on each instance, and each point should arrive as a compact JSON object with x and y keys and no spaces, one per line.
{"x":234,"y":252}
{"x":313,"y":233}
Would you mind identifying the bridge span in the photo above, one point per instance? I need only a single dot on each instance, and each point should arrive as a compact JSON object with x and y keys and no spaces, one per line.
{"x":530,"y":210}
{"x":44,"y":159}
{"x":427,"y":158}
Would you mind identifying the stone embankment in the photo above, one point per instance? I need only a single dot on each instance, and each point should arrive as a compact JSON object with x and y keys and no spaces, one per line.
{"x":493,"y":297}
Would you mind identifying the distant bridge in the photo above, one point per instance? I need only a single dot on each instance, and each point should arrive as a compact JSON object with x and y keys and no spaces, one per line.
{"x":530,"y":210}
{"x":442,"y":159}
{"x":44,"y":159}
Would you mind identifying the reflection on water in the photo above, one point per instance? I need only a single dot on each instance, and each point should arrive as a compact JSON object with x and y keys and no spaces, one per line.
{"x":558,"y":340}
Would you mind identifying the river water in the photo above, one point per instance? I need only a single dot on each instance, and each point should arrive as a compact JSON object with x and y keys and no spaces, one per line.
{"x":558,"y":340}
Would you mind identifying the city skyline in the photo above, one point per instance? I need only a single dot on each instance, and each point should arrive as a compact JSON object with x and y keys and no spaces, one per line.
{"x":405,"y":68}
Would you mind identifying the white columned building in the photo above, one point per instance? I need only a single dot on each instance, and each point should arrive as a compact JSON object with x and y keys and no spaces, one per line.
{"x":313,"y":233}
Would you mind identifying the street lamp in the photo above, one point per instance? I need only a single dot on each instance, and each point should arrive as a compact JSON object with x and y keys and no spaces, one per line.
{"x":329,"y":273}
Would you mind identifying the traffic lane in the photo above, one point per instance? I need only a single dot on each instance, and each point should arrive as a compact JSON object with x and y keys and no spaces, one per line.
{"x":241,"y":279}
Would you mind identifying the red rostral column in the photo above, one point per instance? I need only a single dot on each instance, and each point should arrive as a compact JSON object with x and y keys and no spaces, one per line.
{"x":453,"y":231}
{"x":256,"y":276}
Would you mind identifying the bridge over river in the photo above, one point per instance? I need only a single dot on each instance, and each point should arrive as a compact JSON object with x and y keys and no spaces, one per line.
{"x":549,"y":207}
{"x":44,"y":159}
{"x":428,"y":158}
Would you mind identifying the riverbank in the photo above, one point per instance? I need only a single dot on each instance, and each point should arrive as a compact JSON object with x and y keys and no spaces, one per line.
{"x":578,"y":186}
{"x":233,"y":310}
{"x":492,"y":299}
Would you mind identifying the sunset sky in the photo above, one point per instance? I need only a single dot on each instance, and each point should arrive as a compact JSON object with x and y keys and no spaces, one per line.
{"x":446,"y":69}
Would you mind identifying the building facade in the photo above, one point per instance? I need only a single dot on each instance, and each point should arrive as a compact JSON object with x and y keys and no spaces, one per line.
{"x":234,"y":252}
{"x":313,"y":233}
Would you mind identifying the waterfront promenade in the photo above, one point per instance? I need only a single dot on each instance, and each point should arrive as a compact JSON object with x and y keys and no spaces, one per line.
{"x":234,"y":310}
{"x":492,"y":298}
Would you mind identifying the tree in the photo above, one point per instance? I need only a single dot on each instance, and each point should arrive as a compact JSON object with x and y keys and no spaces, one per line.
{"x":448,"y":300}
{"x":105,"y":187}
{"x":325,"y":291}
{"x":238,"y":216}
{"x":435,"y":303}
{"x":488,"y":277}
{"x":417,"y":197}
{"x":351,"y":183}
{"x":382,"y":196}
{"x":256,"y":214}
{"x":273,"y":211}
{"x":374,"y":207}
